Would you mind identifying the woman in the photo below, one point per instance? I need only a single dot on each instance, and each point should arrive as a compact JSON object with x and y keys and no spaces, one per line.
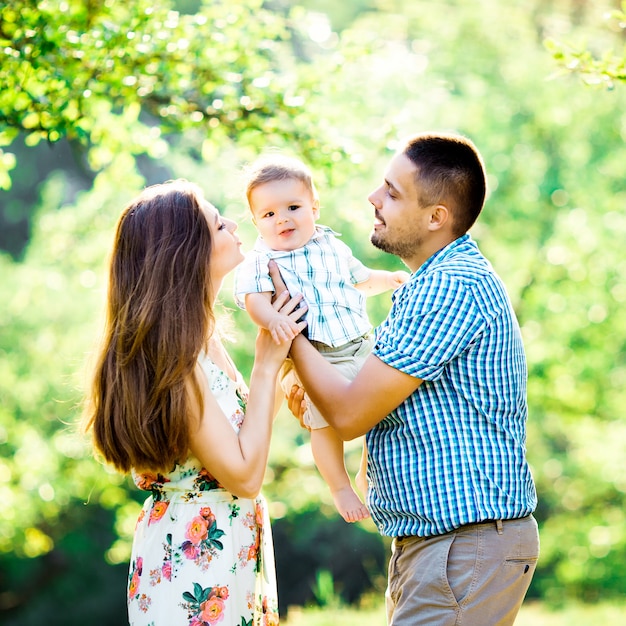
{"x":168,"y":405}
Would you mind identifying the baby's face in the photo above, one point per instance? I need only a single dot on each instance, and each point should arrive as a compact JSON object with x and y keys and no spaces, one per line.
{"x":285,"y":213}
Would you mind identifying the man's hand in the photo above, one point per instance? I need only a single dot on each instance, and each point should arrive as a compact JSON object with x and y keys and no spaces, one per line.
{"x":295,"y":400}
{"x":297,"y":404}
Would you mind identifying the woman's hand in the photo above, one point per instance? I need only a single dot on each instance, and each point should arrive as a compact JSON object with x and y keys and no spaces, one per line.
{"x":277,"y":279}
{"x":268,"y":350}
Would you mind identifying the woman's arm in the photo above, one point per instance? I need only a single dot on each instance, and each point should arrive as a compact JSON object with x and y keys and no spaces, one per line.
{"x":238,"y":460}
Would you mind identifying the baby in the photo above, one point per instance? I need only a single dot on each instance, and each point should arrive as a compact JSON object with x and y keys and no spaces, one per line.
{"x":312,"y":261}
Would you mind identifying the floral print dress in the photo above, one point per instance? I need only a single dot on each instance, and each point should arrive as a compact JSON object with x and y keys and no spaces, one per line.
{"x":202,"y":556}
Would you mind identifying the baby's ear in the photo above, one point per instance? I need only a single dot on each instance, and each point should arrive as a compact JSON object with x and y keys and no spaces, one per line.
{"x":316,"y":208}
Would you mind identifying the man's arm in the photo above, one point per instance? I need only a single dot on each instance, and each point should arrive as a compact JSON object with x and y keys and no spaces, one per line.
{"x":351,"y":407}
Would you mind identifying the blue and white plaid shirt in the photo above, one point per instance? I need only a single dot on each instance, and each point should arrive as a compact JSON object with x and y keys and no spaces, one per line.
{"x":453,"y":452}
{"x":325,"y":272}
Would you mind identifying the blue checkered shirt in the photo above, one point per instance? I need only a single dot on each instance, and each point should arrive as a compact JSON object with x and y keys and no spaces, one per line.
{"x":453,"y":452}
{"x":325,"y":272}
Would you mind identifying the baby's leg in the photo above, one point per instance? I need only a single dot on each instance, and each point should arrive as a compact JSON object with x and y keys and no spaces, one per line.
{"x":361,"y":476}
{"x":328,"y":454}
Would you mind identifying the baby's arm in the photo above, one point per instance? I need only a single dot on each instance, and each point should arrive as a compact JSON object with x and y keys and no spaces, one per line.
{"x":263,"y":314}
{"x":381,"y":281}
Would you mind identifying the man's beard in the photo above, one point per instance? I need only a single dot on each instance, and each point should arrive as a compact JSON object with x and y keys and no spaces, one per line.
{"x":403,"y":249}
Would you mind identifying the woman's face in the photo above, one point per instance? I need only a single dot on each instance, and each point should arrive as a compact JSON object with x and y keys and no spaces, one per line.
{"x":226,"y":251}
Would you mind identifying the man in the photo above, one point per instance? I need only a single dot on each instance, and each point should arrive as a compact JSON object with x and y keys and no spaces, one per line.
{"x":442,"y":399}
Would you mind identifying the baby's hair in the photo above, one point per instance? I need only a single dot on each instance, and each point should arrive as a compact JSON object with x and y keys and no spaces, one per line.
{"x":274,"y":167}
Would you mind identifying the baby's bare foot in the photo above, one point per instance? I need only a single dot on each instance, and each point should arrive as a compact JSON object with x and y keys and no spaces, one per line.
{"x":349,"y":505}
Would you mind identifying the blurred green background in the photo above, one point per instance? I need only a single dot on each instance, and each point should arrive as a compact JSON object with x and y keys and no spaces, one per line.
{"x":98,"y":99}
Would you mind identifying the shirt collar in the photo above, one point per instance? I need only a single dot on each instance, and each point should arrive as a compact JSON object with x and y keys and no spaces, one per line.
{"x":320,"y":231}
{"x":445,"y":252}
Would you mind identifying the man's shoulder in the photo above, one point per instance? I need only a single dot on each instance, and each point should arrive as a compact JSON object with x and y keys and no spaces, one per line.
{"x":463,"y":262}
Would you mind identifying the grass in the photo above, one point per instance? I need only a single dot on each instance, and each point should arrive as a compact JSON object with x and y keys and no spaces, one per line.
{"x":573,"y":614}
{"x":532,"y":614}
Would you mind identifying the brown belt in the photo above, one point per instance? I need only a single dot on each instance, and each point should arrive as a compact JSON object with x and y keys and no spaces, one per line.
{"x":499,"y":524}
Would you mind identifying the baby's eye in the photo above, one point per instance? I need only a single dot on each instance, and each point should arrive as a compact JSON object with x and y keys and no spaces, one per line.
{"x":294,"y":207}
{"x":269,"y":214}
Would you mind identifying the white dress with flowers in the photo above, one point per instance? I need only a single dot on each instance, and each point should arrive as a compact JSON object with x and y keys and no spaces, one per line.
{"x":202,"y":556}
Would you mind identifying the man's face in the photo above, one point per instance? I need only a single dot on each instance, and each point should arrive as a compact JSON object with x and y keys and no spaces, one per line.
{"x":400,"y":224}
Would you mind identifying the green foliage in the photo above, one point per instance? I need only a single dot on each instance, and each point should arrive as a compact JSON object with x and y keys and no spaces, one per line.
{"x":553,"y":227}
{"x":67,"y":583}
{"x":324,"y":561}
{"x":600,"y":65}
{"x":117,"y":76}
{"x":48,"y":323}
{"x":372,"y":613}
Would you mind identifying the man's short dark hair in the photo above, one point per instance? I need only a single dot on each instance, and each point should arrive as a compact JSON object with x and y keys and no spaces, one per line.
{"x":450,"y":171}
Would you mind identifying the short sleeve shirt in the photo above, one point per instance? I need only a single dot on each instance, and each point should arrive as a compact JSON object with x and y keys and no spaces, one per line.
{"x":452,"y":453}
{"x":325,"y":271}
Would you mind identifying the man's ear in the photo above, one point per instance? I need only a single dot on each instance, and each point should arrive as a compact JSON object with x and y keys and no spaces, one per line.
{"x":439,"y":217}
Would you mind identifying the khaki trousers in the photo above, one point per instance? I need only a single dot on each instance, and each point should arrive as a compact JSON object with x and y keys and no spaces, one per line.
{"x":476,"y":575}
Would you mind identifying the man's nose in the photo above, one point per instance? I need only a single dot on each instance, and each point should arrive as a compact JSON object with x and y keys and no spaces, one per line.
{"x":373,"y":198}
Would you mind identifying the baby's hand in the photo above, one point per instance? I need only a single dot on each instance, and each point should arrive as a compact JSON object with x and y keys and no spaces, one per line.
{"x":397,"y":278}
{"x":282,"y":328}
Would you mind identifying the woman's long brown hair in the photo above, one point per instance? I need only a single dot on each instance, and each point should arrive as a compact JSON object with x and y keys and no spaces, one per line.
{"x":159,"y":318}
